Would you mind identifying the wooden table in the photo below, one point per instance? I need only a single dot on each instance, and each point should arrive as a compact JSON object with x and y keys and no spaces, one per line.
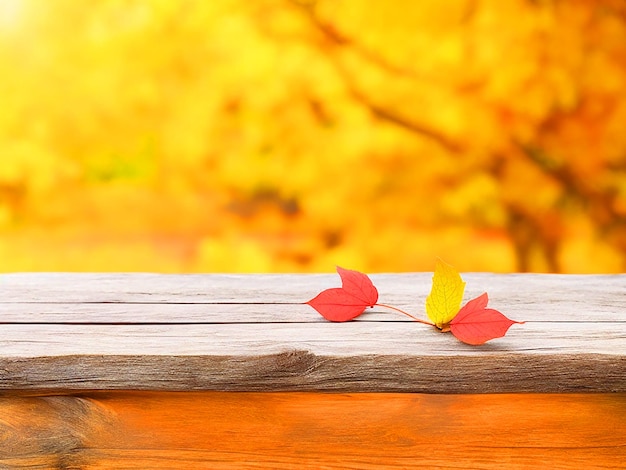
{"x":143,"y":371}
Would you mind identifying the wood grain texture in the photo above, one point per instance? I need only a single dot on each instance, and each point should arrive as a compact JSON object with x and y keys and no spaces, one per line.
{"x":252,"y":332}
{"x":534,"y":297}
{"x":216,"y":430}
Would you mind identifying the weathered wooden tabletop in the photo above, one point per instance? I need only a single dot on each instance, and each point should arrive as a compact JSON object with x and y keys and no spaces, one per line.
{"x":253,"y":333}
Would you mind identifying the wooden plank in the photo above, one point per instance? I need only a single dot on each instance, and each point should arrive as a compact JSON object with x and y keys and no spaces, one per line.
{"x":212,"y":430}
{"x":589,"y":310}
{"x":326,"y":356}
{"x":133,"y":313}
{"x":226,"y":332}
{"x":598,"y":293}
{"x":321,"y":339}
{"x":132,"y":298}
{"x":140,"y":287}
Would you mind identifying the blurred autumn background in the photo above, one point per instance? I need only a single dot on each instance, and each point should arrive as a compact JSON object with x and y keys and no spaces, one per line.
{"x":294,"y":135}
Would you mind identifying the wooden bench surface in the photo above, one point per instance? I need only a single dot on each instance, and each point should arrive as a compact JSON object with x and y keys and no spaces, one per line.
{"x":140,"y":371}
{"x":253,"y":333}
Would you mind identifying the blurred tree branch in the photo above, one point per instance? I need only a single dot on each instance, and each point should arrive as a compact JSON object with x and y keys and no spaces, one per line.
{"x":332,"y":40}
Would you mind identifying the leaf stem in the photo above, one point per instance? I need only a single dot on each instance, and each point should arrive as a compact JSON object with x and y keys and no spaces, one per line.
{"x":425,"y":322}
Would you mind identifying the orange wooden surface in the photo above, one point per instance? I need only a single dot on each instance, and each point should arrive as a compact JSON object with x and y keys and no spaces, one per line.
{"x":197,"y":430}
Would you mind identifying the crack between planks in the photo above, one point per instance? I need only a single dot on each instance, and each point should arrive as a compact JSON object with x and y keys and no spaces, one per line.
{"x":317,"y":321}
{"x":178,"y":323}
{"x":120,"y":302}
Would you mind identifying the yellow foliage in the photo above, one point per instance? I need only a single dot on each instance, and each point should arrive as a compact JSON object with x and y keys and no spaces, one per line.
{"x":286,"y":135}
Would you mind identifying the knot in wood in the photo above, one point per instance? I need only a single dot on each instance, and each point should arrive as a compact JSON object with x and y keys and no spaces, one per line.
{"x":295,"y":362}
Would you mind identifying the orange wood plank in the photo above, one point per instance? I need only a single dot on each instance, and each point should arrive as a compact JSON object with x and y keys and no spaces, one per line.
{"x":140,"y":430}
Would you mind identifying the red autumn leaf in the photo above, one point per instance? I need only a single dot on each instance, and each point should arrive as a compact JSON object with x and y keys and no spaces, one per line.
{"x":475,"y":324}
{"x":348,"y":301}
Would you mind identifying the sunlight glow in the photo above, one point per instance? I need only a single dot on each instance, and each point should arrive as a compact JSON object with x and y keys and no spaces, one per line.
{"x":10,"y":13}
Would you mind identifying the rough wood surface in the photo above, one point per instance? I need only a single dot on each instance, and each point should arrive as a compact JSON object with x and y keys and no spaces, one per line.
{"x":252,"y":332}
{"x":215,"y":430}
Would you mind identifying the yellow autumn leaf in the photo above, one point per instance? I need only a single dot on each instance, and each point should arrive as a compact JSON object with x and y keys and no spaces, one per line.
{"x":446,"y":294}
